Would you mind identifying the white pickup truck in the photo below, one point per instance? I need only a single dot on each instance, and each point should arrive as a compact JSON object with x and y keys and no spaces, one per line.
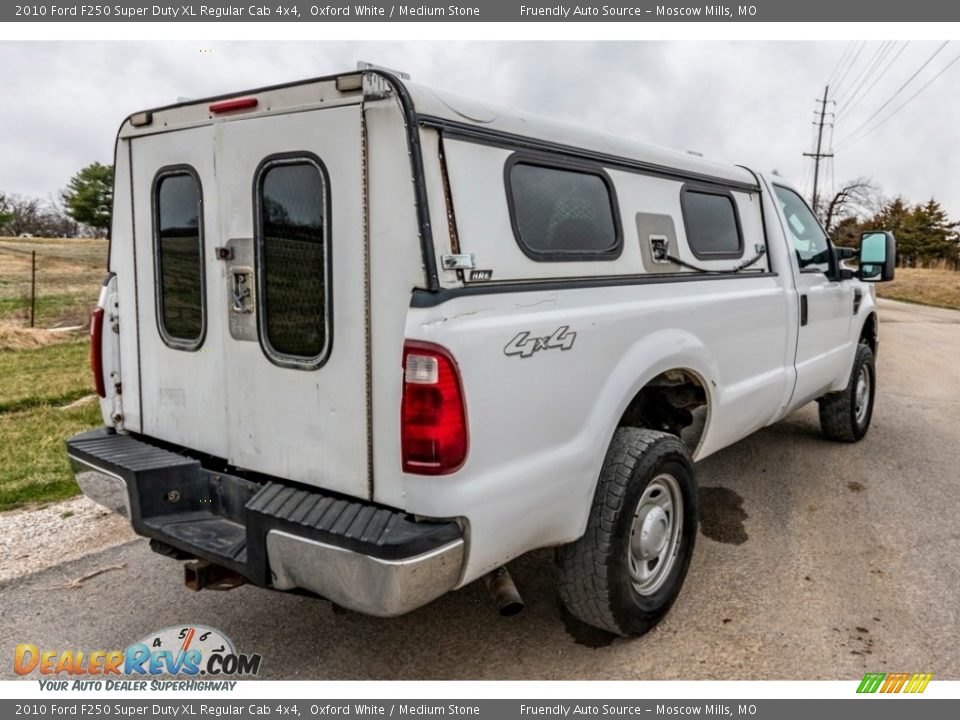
{"x":373,"y":341}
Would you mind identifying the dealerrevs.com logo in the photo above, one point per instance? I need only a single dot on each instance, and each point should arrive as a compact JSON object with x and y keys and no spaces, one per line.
{"x":191,"y":651}
{"x":894,"y":683}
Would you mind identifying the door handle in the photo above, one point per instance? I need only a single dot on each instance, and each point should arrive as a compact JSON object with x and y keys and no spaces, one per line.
{"x":240,"y":290}
{"x":240,"y":300}
{"x":803,"y":310}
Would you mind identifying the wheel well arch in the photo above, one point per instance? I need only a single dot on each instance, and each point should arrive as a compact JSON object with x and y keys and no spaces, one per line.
{"x":870,"y":332}
{"x":675,"y":401}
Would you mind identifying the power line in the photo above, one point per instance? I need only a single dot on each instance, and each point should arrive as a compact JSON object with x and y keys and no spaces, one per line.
{"x":865,"y":77}
{"x":906,"y":102}
{"x":864,"y":74}
{"x":805,"y":183}
{"x":850,"y":108}
{"x":866,"y":122}
{"x":850,"y":66}
{"x":843,"y":57}
{"x":832,"y":162}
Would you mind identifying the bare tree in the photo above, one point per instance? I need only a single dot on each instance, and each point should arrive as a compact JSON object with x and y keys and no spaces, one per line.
{"x":20,"y":215}
{"x":25,"y":214}
{"x":6,"y":213}
{"x":58,"y":221}
{"x":856,"y":199}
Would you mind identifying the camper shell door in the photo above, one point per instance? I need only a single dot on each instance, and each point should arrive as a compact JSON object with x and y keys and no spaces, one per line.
{"x":250,"y":246}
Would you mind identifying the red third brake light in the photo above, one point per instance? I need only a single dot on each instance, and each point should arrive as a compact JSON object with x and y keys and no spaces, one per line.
{"x":96,"y":351}
{"x":433,"y":427}
{"x":232,"y":105}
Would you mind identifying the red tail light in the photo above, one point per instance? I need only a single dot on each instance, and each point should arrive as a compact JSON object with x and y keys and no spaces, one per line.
{"x":96,"y":351}
{"x":433,"y":416}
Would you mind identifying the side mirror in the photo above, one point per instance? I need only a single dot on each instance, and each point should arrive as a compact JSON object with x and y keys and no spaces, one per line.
{"x":878,"y":256}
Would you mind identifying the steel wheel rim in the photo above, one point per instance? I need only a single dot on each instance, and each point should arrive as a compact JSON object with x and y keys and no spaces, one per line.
{"x":655,"y":534}
{"x":862,"y":395}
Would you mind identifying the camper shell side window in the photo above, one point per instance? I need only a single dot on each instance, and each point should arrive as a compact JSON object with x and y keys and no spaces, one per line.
{"x":178,"y":257}
{"x":562,"y":209}
{"x":292,"y":226}
{"x":712,"y":223}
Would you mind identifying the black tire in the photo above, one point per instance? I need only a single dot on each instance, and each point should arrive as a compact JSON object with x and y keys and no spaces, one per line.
{"x":842,"y":415}
{"x":595,"y":578}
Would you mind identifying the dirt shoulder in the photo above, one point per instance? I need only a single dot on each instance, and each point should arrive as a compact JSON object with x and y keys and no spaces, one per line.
{"x":33,"y":539}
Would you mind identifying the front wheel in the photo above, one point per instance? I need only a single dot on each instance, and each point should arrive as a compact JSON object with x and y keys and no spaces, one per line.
{"x":627,"y":569}
{"x":846,"y":415}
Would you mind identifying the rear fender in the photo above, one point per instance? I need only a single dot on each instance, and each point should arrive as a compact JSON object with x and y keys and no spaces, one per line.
{"x":654,"y":354}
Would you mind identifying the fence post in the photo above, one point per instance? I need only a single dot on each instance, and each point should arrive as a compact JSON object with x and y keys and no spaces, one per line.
{"x":33,"y":286}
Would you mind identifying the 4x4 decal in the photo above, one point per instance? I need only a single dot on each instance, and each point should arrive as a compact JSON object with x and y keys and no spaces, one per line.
{"x":524,"y":345}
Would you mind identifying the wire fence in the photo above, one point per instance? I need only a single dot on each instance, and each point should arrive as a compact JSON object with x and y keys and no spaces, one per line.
{"x":50,"y":283}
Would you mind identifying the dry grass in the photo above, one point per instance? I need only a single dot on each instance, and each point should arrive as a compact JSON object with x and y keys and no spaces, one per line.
{"x":939,"y":288}
{"x":14,"y":336}
{"x":69,"y":274}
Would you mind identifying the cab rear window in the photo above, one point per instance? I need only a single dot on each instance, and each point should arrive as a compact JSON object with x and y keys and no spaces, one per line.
{"x":562,"y":211}
{"x":178,"y":249}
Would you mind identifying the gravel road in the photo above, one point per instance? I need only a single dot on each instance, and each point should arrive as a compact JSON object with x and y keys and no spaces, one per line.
{"x":816,"y":561}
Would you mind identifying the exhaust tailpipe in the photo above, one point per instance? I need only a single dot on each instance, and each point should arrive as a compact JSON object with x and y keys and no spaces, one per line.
{"x":503,"y":592}
{"x":202,"y":575}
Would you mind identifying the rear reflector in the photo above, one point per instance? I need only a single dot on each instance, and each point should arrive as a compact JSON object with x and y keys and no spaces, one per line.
{"x":433,"y":414}
{"x":141,"y":119}
{"x":232,"y":105}
{"x":96,"y":351}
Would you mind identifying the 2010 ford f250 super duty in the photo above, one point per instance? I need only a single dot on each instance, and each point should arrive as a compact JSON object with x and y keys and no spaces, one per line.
{"x":374,"y":341}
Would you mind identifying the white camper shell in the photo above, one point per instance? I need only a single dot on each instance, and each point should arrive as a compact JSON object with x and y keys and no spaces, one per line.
{"x":374,"y":341}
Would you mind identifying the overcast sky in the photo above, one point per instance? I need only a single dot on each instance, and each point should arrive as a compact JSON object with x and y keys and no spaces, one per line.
{"x":743,"y":102}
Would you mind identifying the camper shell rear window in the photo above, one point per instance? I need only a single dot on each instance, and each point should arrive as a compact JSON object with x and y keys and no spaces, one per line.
{"x":562,"y":209}
{"x":293,"y":256}
{"x":178,"y":256}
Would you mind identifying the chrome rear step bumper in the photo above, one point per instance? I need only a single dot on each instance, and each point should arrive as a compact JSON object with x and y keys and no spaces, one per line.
{"x":369,"y":558}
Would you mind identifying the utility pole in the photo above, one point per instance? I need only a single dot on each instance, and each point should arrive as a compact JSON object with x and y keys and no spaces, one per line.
{"x":818,"y":155}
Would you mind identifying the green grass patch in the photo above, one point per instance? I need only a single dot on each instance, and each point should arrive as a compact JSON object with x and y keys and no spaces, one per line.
{"x":52,"y":375}
{"x":35,"y":384}
{"x":54,"y":309}
{"x":35,"y":467}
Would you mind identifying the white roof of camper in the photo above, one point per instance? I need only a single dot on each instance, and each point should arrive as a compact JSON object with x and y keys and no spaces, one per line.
{"x":450,"y":107}
{"x":466,"y":110}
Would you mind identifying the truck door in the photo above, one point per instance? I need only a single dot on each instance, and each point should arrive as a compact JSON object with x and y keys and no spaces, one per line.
{"x":826,"y":305}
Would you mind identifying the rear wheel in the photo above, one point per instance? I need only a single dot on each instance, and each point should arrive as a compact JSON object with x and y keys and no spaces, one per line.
{"x":627,"y":569}
{"x":846,"y":415}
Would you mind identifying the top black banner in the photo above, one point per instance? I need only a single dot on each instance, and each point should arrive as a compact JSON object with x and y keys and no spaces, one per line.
{"x":487,"y":11}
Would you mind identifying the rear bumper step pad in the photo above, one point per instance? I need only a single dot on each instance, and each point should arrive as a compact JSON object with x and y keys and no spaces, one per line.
{"x":364,"y":556}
